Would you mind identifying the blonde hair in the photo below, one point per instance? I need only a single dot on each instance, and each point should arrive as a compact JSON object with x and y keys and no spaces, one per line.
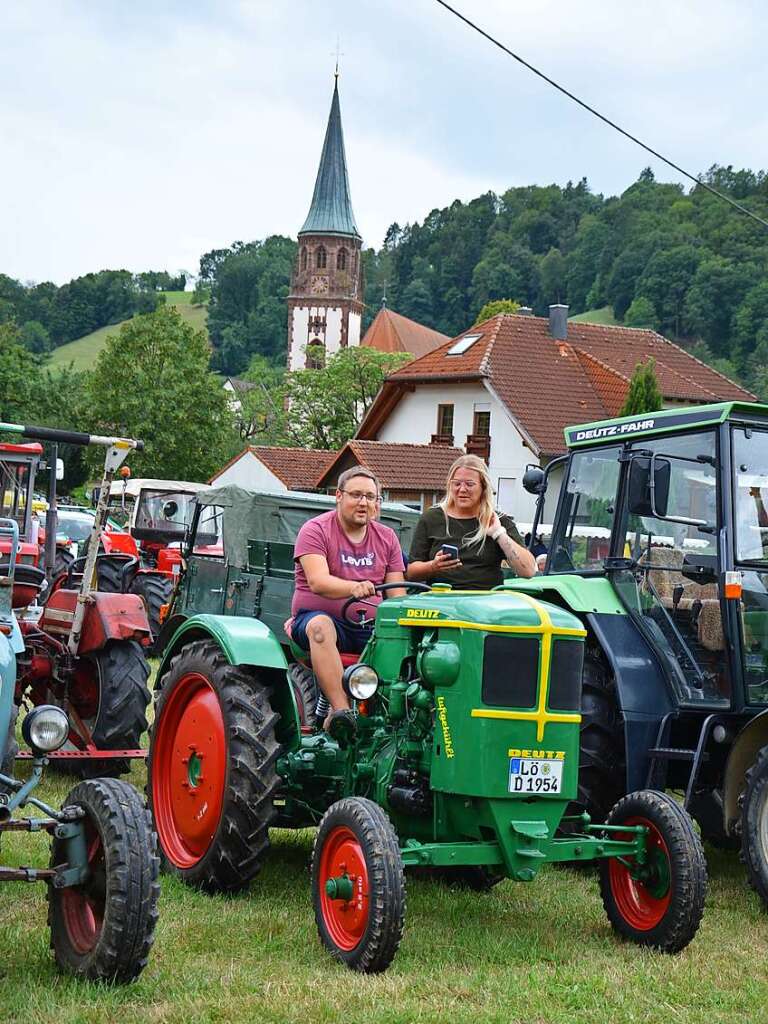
{"x":486,"y":510}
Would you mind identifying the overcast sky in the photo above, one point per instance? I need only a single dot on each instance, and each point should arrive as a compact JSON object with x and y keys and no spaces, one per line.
{"x":141,"y":134}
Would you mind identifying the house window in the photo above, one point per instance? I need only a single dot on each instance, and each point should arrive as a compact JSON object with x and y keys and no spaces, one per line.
{"x":445,"y":419}
{"x":321,"y":258}
{"x":315,"y":354}
{"x":304,"y":257}
{"x":481,"y":424}
{"x":341,"y":259}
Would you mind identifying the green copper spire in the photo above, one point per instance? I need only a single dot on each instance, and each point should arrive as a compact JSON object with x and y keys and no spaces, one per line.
{"x":331,"y":209}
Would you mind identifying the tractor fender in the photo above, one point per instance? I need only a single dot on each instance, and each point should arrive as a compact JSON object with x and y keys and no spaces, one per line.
{"x":115,"y":543}
{"x":107,"y":617}
{"x":245,"y":641}
{"x":742,"y":756}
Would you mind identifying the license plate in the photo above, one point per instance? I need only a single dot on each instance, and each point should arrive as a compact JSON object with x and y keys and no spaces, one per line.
{"x":535,"y":775}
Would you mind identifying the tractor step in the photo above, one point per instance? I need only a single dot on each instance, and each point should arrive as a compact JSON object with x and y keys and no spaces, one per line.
{"x":674,"y":754}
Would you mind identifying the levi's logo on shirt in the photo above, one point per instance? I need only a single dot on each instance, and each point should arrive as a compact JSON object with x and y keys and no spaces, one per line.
{"x":367,"y":560}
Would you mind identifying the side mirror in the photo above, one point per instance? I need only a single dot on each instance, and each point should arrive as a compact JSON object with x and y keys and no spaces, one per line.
{"x":170,"y":508}
{"x":533,"y":480}
{"x":59,"y":469}
{"x":649,"y":494}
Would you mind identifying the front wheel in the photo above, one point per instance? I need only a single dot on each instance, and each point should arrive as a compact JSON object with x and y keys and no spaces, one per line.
{"x":104,"y":928}
{"x":754,"y":825}
{"x":211,"y":777}
{"x":659,"y":903}
{"x":358,"y":885}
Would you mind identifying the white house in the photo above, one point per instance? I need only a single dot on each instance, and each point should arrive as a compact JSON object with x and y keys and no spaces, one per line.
{"x":262,"y":468}
{"x":506,"y":389}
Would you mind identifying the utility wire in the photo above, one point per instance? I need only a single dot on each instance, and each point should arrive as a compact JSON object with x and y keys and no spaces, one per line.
{"x":602,"y":117}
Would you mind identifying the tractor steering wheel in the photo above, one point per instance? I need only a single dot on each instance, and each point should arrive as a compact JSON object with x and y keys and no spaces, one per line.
{"x":380,"y":588}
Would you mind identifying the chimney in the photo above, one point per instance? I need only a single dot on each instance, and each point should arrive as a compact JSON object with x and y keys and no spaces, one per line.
{"x":525,"y":311}
{"x":558,"y":322}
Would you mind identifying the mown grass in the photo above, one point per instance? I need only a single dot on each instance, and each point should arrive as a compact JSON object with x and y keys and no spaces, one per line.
{"x":533,"y":953}
{"x":604,"y":315}
{"x":83,"y":351}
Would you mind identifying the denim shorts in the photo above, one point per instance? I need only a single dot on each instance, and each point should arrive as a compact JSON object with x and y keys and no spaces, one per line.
{"x":350,"y":639}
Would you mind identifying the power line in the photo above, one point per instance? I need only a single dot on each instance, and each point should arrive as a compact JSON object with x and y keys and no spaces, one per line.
{"x":602,"y":117}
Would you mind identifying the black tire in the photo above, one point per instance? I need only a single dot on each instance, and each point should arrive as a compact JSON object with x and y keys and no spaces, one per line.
{"x":121,"y":672}
{"x":602,"y":774}
{"x":665,"y":909}
{"x":109,"y":574}
{"x":306,"y":692}
{"x":122,"y":891}
{"x":379,"y":921}
{"x":754,"y":825}
{"x":62,"y":562}
{"x":237,"y":809}
{"x":154,"y":591}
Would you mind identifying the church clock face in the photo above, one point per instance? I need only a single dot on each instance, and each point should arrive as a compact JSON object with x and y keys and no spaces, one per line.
{"x":319,"y":285}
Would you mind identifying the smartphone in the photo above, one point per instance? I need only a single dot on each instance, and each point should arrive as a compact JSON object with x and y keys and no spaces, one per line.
{"x":450,"y":549}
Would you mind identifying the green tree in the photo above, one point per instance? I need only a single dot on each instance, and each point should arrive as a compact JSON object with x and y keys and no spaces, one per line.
{"x":327,"y":406}
{"x":21,"y":378}
{"x":495,"y":307}
{"x":151,"y":381}
{"x":641,"y":314}
{"x":263,"y":418}
{"x":34,"y":337}
{"x":553,"y":275}
{"x":643,"y":394}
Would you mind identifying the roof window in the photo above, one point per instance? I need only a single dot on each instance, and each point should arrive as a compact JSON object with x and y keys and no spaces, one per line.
{"x":463,"y":344}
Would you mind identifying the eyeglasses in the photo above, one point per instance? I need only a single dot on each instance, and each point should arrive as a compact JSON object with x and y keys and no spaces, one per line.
{"x":358,"y":496}
{"x":468,"y":485}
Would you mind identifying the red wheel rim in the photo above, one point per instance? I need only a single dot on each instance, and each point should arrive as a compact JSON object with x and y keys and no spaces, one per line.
{"x":189,"y":769}
{"x":83,"y":906}
{"x":637,"y":902}
{"x":342,"y":856}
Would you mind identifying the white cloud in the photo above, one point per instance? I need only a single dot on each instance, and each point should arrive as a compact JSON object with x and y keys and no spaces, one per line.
{"x":142,"y":135}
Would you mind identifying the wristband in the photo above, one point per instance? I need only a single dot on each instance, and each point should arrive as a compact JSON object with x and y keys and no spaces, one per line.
{"x":497,"y":532}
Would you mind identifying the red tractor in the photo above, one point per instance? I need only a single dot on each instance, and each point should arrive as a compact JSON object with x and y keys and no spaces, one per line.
{"x":146,"y":559}
{"x":85,"y":652}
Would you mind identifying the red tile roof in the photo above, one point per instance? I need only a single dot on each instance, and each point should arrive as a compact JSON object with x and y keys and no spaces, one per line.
{"x":548,"y":384}
{"x":391,"y":332}
{"x":296,"y":467}
{"x":416,"y":467}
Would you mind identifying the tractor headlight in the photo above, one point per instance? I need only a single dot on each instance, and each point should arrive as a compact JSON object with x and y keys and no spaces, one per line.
{"x":46,"y":728}
{"x":360,"y":681}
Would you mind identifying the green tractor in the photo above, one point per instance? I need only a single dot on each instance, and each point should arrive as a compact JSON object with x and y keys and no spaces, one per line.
{"x":659,"y":546}
{"x":464,"y":760}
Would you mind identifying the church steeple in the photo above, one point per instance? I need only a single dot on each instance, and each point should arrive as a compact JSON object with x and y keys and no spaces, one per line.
{"x":331,"y":210}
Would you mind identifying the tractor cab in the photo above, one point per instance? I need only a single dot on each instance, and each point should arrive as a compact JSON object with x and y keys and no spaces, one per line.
{"x":18,"y":465}
{"x":679,"y":498}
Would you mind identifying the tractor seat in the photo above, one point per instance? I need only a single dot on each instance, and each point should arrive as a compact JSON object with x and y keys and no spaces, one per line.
{"x":28,"y":580}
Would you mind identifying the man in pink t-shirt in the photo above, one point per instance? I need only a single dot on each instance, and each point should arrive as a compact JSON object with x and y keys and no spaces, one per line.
{"x":341,"y":554}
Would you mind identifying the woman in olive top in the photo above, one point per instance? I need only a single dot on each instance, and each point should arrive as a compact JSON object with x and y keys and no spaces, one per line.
{"x":466,"y":520}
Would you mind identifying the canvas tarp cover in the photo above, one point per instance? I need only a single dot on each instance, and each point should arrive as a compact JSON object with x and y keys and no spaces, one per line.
{"x":262,"y":516}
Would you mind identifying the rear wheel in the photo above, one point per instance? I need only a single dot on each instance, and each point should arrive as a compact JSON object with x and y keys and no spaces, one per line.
{"x":211,"y":769}
{"x":62,"y":561}
{"x":104,"y":928}
{"x":306,"y":692}
{"x":358,"y":885}
{"x":754,"y":825}
{"x":154,"y":591}
{"x":601,"y":742}
{"x":659,"y":903}
{"x":110,"y":696}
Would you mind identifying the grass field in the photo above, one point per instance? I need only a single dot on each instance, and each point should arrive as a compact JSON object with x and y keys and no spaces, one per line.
{"x":595,"y":316}
{"x":83,"y":351}
{"x":534,"y":953}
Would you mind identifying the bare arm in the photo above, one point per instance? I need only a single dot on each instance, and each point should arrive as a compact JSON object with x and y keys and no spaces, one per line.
{"x":394,"y":577}
{"x":520,"y":559}
{"x":322,"y":583}
{"x":425,"y":570}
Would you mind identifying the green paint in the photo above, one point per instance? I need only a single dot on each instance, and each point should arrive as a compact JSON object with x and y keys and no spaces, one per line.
{"x":194,"y":770}
{"x":340,"y":888}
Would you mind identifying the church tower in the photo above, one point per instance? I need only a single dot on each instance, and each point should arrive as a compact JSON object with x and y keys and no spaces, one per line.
{"x":325,"y":304}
